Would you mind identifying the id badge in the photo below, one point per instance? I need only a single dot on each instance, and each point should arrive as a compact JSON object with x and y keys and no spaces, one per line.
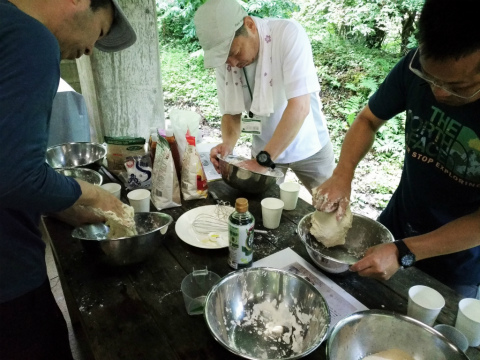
{"x":251,"y":125}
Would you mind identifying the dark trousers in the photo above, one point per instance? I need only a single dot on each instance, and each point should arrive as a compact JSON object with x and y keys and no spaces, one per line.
{"x":32,"y":327}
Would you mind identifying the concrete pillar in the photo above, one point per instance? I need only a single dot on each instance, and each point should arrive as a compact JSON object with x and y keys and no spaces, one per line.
{"x":123,"y":90}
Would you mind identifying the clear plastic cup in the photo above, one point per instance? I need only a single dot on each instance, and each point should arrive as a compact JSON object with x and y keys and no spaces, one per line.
{"x":195,"y":287}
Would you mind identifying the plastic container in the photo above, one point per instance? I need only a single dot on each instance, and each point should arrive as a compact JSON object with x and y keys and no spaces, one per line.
{"x":195,"y":287}
{"x":241,"y":224}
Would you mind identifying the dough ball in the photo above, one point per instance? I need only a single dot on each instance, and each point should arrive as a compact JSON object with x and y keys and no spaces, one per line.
{"x":327,"y":230}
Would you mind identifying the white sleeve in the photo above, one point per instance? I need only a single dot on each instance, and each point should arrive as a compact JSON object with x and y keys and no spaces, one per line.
{"x":299,"y":73}
{"x":220,"y":76}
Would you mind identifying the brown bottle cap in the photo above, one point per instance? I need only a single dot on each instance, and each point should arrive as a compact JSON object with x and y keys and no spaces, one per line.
{"x":241,"y":205}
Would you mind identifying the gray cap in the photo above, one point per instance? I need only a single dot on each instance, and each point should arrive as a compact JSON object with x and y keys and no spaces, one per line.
{"x":121,"y":34}
{"x":216,"y":22}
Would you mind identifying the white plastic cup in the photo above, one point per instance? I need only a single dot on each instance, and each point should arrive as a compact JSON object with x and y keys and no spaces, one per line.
{"x":271,"y":212}
{"x":468,"y":320}
{"x":113,"y":188}
{"x":289,"y":194}
{"x":424,"y":304}
{"x":454,"y":335}
{"x":140,"y":200}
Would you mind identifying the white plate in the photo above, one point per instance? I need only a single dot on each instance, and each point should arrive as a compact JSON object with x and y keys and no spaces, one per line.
{"x":185,"y":230}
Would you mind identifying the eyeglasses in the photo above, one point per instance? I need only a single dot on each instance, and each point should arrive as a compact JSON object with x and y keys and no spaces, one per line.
{"x":463,"y":93}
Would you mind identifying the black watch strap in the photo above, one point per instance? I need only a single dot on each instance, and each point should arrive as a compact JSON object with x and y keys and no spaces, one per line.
{"x":264,"y":159}
{"x":405,"y":257}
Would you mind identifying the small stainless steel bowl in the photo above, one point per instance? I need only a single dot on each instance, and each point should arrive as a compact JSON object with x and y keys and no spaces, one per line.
{"x":371,"y":331}
{"x":151,"y":227}
{"x":266,"y":313}
{"x":88,"y":175}
{"x":76,"y":154}
{"x":246,"y":180}
{"x":364,"y":233}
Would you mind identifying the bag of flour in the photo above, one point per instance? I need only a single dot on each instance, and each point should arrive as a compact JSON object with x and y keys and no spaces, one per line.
{"x":165,"y":189}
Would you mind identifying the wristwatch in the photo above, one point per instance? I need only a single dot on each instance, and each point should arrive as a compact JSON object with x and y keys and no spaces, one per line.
{"x":264,"y":159}
{"x":405,"y":257}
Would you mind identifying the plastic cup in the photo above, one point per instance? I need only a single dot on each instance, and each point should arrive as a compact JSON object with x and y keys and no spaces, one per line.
{"x":195,"y":287}
{"x":271,"y":212}
{"x":424,"y":304}
{"x":468,"y":320}
{"x":140,"y":200}
{"x":289,"y":194}
{"x":454,"y":335}
{"x":113,"y":188}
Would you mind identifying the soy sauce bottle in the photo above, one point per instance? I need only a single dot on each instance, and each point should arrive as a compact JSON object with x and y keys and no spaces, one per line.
{"x":240,"y":236}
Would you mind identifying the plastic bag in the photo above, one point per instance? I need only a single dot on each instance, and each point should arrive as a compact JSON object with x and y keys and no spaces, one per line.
{"x":194,"y":182}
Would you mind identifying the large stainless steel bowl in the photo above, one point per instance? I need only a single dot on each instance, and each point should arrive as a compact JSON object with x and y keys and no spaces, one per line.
{"x":76,"y":154}
{"x":265,"y":313}
{"x":88,"y":175}
{"x":364,"y":233}
{"x":128,"y":250}
{"x":371,"y":331}
{"x":246,"y":180}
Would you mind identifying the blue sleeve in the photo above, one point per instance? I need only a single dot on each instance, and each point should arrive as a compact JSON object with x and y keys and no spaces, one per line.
{"x":391,"y":97}
{"x":29,"y":77}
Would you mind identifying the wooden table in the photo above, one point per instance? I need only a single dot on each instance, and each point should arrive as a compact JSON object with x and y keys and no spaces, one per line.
{"x":138,"y":312}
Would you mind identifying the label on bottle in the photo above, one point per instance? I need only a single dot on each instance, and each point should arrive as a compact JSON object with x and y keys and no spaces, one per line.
{"x":240,"y":245}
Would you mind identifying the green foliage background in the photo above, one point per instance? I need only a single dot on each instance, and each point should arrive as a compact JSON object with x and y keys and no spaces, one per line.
{"x":355,"y":44}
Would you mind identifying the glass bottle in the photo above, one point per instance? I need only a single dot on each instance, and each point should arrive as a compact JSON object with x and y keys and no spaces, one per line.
{"x":240,"y":236}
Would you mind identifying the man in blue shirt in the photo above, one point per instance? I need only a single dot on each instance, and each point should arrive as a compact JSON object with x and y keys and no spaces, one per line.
{"x":434,"y":213}
{"x":34,"y":36}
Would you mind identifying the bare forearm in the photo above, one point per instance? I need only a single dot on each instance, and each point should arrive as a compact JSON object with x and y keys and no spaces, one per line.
{"x":290,"y":124}
{"x":231,"y":129}
{"x":458,"y":235}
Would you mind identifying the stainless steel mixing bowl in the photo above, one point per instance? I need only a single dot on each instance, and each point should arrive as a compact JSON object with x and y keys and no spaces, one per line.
{"x":88,"y":175}
{"x":364,"y":233}
{"x":246,"y":180}
{"x":76,"y":154}
{"x":266,"y":313}
{"x":371,"y":331}
{"x":129,"y":250}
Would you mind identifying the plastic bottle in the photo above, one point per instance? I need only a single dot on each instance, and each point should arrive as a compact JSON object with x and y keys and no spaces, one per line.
{"x":175,"y":153}
{"x":152,"y":143}
{"x":240,"y":236}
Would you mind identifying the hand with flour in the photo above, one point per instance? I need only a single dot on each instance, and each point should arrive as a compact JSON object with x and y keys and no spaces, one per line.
{"x":333,"y":195}
{"x":93,"y":197}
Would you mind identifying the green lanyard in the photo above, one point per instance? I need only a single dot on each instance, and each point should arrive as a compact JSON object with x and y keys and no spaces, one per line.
{"x":250,"y":114}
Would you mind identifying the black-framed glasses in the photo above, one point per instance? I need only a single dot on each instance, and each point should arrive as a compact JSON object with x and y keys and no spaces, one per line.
{"x":465,"y":93}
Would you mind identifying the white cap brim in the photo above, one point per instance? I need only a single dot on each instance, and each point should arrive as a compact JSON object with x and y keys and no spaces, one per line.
{"x":121,"y":34}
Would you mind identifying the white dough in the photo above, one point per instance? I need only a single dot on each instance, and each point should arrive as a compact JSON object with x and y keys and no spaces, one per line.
{"x":327,"y":230}
{"x":120,"y":226}
{"x":392,"y":354}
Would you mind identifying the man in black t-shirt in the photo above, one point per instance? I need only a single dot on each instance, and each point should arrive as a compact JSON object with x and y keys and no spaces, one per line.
{"x":434,"y":213}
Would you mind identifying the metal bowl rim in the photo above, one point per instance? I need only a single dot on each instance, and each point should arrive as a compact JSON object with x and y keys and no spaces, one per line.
{"x":237,"y":273}
{"x":103,"y":146}
{"x":277,"y":174}
{"x":170,"y":220}
{"x":81,"y":169}
{"x":303,"y":219}
{"x":360,"y":314}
